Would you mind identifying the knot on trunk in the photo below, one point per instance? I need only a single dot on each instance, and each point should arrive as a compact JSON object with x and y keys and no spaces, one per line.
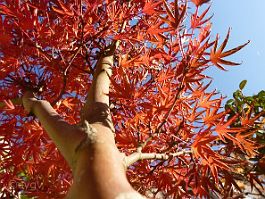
{"x":90,"y":136}
{"x":98,"y":113}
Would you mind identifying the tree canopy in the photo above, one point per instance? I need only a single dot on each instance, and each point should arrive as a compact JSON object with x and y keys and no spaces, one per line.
{"x":180,"y":139}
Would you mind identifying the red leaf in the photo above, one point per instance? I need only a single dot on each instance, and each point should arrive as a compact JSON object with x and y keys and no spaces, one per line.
{"x":197,"y":21}
{"x":5,"y":10}
{"x":64,"y":9}
{"x":150,"y":7}
{"x":217,"y":55}
{"x":9,"y":104}
{"x":199,"y":2}
{"x":174,"y":19}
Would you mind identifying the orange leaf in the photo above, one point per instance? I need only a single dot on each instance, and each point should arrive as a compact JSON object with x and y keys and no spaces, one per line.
{"x":217,"y":55}
{"x":64,"y":10}
{"x":199,"y":2}
{"x":197,"y":21}
{"x":174,"y":19}
{"x":6,"y":11}
{"x":149,"y":7}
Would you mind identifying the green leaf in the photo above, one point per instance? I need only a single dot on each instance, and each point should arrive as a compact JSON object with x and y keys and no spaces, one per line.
{"x":261,"y":131}
{"x":261,"y":94}
{"x":26,"y":197}
{"x":230,"y":102}
{"x":242,"y":84}
{"x":262,"y":150}
{"x":249,"y":99}
{"x":238,"y":95}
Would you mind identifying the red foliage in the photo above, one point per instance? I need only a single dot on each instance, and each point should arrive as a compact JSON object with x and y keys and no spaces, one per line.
{"x":199,"y":2}
{"x":159,"y":91}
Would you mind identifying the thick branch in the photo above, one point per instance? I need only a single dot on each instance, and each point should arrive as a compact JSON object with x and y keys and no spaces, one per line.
{"x":129,"y":160}
{"x":97,"y":102}
{"x":64,"y":135}
{"x":98,"y":93}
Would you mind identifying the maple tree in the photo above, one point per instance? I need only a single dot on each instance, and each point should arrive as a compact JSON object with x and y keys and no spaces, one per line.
{"x":141,"y":61}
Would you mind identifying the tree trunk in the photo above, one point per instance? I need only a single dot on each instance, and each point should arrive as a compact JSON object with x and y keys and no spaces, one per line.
{"x":89,"y":148}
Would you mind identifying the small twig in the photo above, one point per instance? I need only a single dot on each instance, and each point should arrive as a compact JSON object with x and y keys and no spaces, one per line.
{"x":72,"y":59}
{"x":254,"y":194}
{"x":181,"y":46}
{"x":156,"y":166}
{"x":117,"y":42}
{"x":129,"y":160}
{"x":65,"y":72}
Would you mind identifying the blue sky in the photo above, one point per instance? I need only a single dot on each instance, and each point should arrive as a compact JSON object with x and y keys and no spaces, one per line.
{"x":247,"y":20}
